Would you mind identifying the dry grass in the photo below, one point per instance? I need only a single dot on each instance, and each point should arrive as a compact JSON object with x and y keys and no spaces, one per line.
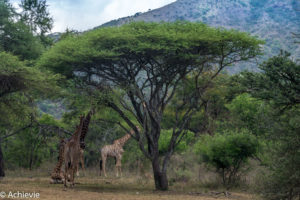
{"x":93,"y":187}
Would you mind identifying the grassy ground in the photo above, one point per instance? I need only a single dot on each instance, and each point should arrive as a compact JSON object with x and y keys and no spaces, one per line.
{"x":94,"y":187}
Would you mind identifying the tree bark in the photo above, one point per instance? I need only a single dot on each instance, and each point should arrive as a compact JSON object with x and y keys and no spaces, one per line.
{"x":2,"y":174}
{"x":160,"y":177}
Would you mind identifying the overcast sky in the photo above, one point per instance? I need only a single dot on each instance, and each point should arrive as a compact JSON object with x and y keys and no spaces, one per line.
{"x":85,"y":14}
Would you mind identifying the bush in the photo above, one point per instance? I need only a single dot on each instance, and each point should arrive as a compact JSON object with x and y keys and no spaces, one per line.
{"x":282,"y":180}
{"x":228,"y":153}
{"x":249,"y":113}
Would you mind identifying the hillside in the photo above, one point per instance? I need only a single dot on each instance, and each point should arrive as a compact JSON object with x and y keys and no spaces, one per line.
{"x":271,"y":20}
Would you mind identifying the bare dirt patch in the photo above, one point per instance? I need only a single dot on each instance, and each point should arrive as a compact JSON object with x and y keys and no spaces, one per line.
{"x":111,"y":189}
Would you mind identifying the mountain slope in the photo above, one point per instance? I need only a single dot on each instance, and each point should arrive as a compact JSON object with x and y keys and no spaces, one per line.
{"x":271,"y":20}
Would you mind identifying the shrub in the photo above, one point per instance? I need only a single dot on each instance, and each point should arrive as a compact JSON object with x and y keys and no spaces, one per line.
{"x":227,"y":153}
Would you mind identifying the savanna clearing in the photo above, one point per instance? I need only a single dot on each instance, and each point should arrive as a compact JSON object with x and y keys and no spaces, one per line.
{"x":96,"y":187}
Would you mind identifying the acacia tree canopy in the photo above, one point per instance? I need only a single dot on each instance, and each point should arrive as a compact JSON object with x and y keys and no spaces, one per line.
{"x":147,"y":61}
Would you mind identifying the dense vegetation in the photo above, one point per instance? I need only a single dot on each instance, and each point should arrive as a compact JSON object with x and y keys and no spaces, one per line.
{"x":167,"y":78}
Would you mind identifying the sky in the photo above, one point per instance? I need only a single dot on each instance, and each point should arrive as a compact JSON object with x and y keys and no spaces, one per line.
{"x":86,"y":14}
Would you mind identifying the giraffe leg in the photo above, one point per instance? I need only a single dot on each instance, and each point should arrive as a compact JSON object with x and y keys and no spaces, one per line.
{"x":77,"y":170}
{"x":74,"y":172}
{"x":103,"y":166}
{"x":120,"y":171}
{"x":116,"y":169}
{"x":66,"y":177}
{"x":71,"y":178}
{"x":100,"y":167}
{"x":73,"y":175}
{"x":118,"y":165}
{"x":82,"y":163}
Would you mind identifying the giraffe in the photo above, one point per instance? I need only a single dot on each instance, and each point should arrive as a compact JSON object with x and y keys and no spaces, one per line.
{"x":85,"y":128}
{"x":72,"y":154}
{"x":57,"y":175}
{"x":114,"y":150}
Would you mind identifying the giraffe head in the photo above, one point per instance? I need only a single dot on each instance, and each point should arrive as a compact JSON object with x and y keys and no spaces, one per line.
{"x":92,"y":111}
{"x":138,"y":128}
{"x":132,"y":132}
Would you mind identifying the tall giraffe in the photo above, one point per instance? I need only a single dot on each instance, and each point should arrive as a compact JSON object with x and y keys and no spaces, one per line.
{"x":114,"y":150}
{"x":85,"y":128}
{"x":57,"y":175}
{"x":72,"y":154}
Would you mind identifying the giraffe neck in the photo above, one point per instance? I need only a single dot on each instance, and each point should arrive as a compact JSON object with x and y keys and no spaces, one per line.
{"x":85,"y":127}
{"x":61,"y":153}
{"x":76,"y":135}
{"x":61,"y":156}
{"x":122,"y":141}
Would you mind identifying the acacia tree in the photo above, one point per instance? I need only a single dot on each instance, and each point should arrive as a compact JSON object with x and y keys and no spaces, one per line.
{"x":147,"y":62}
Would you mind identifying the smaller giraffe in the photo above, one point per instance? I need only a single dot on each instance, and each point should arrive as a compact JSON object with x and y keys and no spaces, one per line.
{"x":57,"y":176}
{"x":72,"y":154}
{"x":114,"y":150}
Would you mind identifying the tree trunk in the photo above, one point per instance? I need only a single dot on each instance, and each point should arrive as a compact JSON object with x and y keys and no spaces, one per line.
{"x":30,"y":159}
{"x":2,"y":174}
{"x":160,"y":178}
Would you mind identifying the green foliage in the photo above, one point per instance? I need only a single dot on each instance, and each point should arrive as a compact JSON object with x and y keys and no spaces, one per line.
{"x":36,"y":16}
{"x":165,"y":138}
{"x":15,"y":37}
{"x":228,"y":153}
{"x":18,"y":36}
{"x":245,"y":106}
{"x":14,"y":81}
{"x":5,"y":12}
{"x":279,"y":83}
{"x":249,"y":113}
{"x":16,"y":76}
{"x":281,"y":181}
{"x":20,"y":86}
{"x":31,"y":147}
{"x":133,"y":155}
{"x":211,"y":108}
{"x":11,"y":70}
{"x":175,"y":41}
{"x":68,"y":33}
